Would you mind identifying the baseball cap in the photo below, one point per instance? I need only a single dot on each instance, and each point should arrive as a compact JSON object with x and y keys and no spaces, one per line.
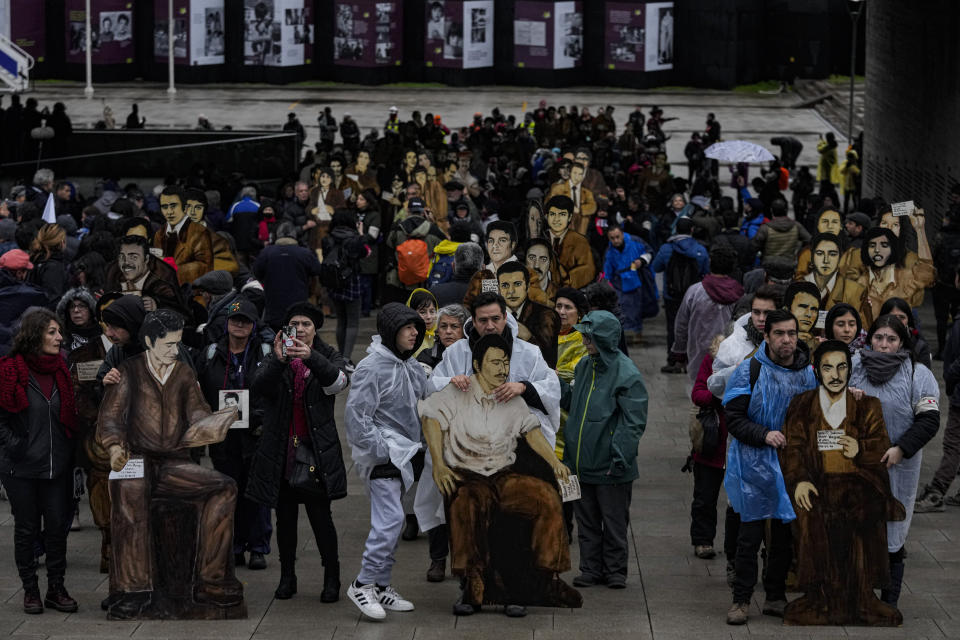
{"x":242,"y":307}
{"x":15,"y":259}
{"x":415,"y":204}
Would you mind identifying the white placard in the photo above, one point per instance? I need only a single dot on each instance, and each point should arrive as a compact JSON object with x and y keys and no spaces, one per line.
{"x":132,"y":470}
{"x":157,"y":252}
{"x":87,"y":371}
{"x":658,"y":48}
{"x":570,"y":490}
{"x":829,"y":440}
{"x":903,"y":208}
{"x":489,"y":285}
{"x":477,"y":34}
{"x":821,"y":320}
{"x":530,"y":33}
{"x":239,"y":398}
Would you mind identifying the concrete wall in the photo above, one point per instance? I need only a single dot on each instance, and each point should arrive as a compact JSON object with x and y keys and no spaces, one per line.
{"x":912,"y":118}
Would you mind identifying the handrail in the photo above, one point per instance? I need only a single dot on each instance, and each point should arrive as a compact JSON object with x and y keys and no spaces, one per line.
{"x":4,"y":40}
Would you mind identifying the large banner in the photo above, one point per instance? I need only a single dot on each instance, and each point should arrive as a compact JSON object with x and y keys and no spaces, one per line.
{"x":548,"y":35}
{"x":368,"y":33}
{"x":197,"y":32}
{"x":639,"y":37}
{"x":111,"y":31}
{"x":279,"y":33}
{"x":24,"y":22}
{"x":459,"y":34}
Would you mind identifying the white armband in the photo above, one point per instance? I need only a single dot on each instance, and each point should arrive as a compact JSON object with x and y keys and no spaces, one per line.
{"x":338,"y":385}
{"x":927,"y":403}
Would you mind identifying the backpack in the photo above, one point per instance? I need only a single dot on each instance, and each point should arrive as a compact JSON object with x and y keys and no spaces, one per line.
{"x":441,"y":271}
{"x":413,"y":261}
{"x":336,"y":271}
{"x":682,"y":273}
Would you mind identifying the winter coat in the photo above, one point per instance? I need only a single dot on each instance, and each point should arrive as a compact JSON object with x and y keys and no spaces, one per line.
{"x":780,"y":237}
{"x":753,"y":481}
{"x":272,"y":385}
{"x":704,"y":312}
{"x":746,"y":256}
{"x":751,"y":226}
{"x":617,"y":263}
{"x":285,"y":271}
{"x":15,"y":297}
{"x":43,"y":450}
{"x":703,"y":398}
{"x":607,"y":408}
{"x":51,"y":276}
{"x":685,"y":245}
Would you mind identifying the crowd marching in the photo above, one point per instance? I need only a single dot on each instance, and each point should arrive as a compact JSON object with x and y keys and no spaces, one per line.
{"x":541,"y":238}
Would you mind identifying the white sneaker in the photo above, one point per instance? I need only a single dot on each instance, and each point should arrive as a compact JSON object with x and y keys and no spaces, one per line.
{"x":367,"y":600}
{"x":393,"y":601}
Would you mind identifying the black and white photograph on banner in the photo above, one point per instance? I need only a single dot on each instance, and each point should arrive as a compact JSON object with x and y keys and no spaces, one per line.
{"x":293,"y":16}
{"x":665,"y":48}
{"x":301,"y":34}
{"x":258,"y":35}
{"x":78,"y":38}
{"x":115,"y":26}
{"x":347,"y":49}
{"x":453,"y":42}
{"x":239,"y":398}
{"x":622,"y":53}
{"x":344,"y":21}
{"x":213,"y":44}
{"x":478,"y":22}
{"x":383,"y":52}
{"x":437,"y":24}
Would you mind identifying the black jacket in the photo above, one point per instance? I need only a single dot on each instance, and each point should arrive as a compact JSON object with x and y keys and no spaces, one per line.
{"x":272,"y":387}
{"x":213,"y":376}
{"x":34,"y":443}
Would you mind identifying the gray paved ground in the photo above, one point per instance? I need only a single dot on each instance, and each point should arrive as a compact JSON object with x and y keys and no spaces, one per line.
{"x":670,"y":594}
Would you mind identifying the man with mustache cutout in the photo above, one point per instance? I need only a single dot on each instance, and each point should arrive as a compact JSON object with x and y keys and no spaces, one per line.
{"x":136,"y":278}
{"x":840,"y":488}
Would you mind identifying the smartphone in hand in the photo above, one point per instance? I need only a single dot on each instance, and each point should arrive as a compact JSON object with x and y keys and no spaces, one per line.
{"x":289,"y":333}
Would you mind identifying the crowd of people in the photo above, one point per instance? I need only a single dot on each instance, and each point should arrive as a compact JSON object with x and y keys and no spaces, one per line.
{"x":532,"y":246}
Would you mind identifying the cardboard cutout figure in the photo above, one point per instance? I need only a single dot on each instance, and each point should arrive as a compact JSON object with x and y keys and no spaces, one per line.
{"x":802,"y":299}
{"x":887,"y":275}
{"x":171,"y":520}
{"x":582,"y":203}
{"x":540,"y":260}
{"x":493,"y":465}
{"x":134,"y":276}
{"x":575,"y":266}
{"x":501,"y":243}
{"x":828,"y":221}
{"x":538,"y":323}
{"x":825,"y":265}
{"x":852,"y":265}
{"x":195,"y":209}
{"x":841,"y":494}
{"x":189,"y":244}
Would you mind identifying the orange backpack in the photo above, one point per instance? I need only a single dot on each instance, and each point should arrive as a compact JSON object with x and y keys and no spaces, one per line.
{"x":413,"y":261}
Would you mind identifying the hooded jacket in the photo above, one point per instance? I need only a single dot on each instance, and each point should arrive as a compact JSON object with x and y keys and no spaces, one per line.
{"x":617,"y":263}
{"x":754,"y":482}
{"x":781,"y":236}
{"x":74,"y":336}
{"x":607,"y":408}
{"x":381,"y":419}
{"x":685,"y":245}
{"x":705,"y":311}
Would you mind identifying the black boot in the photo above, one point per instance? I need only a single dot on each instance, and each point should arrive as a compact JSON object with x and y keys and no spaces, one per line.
{"x":32,"y":603}
{"x":891,"y":594}
{"x":58,"y":598}
{"x":331,"y":583}
{"x":288,"y":583}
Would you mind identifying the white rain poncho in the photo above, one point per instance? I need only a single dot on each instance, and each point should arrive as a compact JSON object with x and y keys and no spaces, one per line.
{"x":526,"y":364}
{"x":901,"y":398}
{"x":382,"y":424}
{"x":732,"y":351}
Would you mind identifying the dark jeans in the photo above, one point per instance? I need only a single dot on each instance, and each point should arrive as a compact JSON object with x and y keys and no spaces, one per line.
{"x":950,"y":460}
{"x":366,"y":293}
{"x":251,"y":521}
{"x":671,"y":307}
{"x":631,"y":304}
{"x":779,"y":555}
{"x":36,"y":505}
{"x":731,"y":531}
{"x":439,"y":538}
{"x":946,"y":306}
{"x":348,"y":324}
{"x":321,"y":521}
{"x":707,"y":481}
{"x":603,"y":515}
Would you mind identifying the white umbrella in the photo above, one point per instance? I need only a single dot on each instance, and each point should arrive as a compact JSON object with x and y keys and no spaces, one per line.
{"x":738,"y":151}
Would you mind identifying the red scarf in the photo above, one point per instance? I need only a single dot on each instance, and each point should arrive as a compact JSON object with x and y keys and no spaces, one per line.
{"x":15,"y":376}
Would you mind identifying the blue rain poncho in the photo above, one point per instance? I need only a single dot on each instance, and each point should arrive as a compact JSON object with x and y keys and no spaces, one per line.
{"x":754,"y":482}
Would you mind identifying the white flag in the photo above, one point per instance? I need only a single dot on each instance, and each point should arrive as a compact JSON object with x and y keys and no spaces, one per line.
{"x":49,"y":211}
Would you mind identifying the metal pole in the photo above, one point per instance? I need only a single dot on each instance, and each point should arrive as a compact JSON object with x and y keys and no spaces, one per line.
{"x":171,"y":89}
{"x":855,"y":18}
{"x":88,"y":90}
